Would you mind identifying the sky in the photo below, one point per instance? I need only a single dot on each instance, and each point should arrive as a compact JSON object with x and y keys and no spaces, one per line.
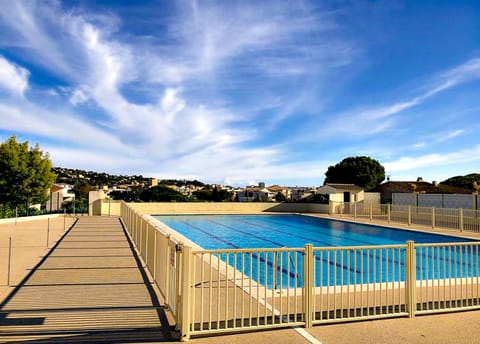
{"x":239,"y":92}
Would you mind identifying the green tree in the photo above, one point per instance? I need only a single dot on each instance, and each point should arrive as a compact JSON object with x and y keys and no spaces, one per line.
{"x":465,"y":182}
{"x":25,"y":173}
{"x":162,"y":193}
{"x":361,"y":170}
{"x":280,"y":197}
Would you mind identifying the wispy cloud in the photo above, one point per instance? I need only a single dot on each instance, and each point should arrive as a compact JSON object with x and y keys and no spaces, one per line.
{"x":172,"y":128}
{"x":13,"y":78}
{"x":376,"y":119}
{"x":434,"y":160}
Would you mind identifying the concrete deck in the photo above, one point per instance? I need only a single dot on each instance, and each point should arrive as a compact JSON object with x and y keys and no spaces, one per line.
{"x":89,"y":288}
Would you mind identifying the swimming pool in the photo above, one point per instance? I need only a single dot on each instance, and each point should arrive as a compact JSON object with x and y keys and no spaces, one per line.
{"x":331,"y":266}
{"x":258,"y":231}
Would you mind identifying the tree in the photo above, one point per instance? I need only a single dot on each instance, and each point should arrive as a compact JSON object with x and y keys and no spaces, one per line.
{"x":466,"y":182}
{"x":361,"y":170}
{"x":280,"y":197}
{"x":162,"y":193}
{"x":25,"y":173}
{"x":213,"y":194}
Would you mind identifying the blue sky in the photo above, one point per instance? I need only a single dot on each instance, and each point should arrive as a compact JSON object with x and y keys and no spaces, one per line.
{"x":238,"y":92}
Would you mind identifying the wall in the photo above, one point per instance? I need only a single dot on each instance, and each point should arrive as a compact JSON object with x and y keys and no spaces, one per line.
{"x":29,"y":218}
{"x":372,"y":197}
{"x":430,"y":200}
{"x":227,"y":207}
{"x":106,"y":208}
{"x":94,"y":207}
{"x":450,"y":201}
{"x":404,"y":198}
{"x":459,"y":201}
{"x":338,"y":197}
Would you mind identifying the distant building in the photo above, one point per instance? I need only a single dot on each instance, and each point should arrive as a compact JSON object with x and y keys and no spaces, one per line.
{"x":299,"y":193}
{"x":342,"y":192}
{"x":58,"y":195}
{"x":151,"y":182}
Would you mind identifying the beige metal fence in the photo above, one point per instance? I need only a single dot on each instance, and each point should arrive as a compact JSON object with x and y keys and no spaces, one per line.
{"x":461,"y":219}
{"x":216,"y":291}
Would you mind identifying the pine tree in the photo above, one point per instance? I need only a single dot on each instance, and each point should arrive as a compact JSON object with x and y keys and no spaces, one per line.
{"x":25,"y":174}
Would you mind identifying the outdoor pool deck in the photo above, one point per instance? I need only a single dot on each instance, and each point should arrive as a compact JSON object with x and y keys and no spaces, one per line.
{"x":91,"y":288}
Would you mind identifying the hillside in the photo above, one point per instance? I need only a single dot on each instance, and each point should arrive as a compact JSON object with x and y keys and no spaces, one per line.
{"x":72,"y":176}
{"x":466,"y":181}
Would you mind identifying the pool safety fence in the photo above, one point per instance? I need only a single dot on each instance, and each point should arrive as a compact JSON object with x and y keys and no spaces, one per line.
{"x":232,"y":290}
{"x":461,"y":219}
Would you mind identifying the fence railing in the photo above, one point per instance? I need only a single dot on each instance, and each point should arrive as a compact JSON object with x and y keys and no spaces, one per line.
{"x":461,"y":219}
{"x":232,"y":290}
{"x":160,"y":253}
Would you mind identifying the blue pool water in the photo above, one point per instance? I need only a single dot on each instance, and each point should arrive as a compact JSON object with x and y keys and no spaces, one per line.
{"x":265,"y":231}
{"x":331,"y":267}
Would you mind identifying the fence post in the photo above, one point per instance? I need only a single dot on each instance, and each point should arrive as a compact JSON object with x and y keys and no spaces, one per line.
{"x":308,"y":285}
{"x":185,"y":297}
{"x":166,"y":275}
{"x":155,"y":257}
{"x":64,"y":219}
{"x":433,"y":217}
{"x":146,"y":241}
{"x":109,"y":207}
{"x":460,"y":215}
{"x":409,"y":215}
{"x":354,"y":210}
{"x":410,"y":279}
{"x":371,"y":212}
{"x":388,"y":212}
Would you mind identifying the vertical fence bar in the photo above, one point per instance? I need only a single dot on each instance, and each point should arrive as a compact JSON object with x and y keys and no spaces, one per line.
{"x":410,"y":283}
{"x":308,"y":285}
{"x":460,"y":220}
{"x":388,"y":212}
{"x":409,"y":215}
{"x":9,"y":263}
{"x":433,"y":217}
{"x":186,"y":270}
{"x":48,"y":230}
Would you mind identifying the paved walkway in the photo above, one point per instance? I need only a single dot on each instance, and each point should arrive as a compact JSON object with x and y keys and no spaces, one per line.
{"x":90,"y":288}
